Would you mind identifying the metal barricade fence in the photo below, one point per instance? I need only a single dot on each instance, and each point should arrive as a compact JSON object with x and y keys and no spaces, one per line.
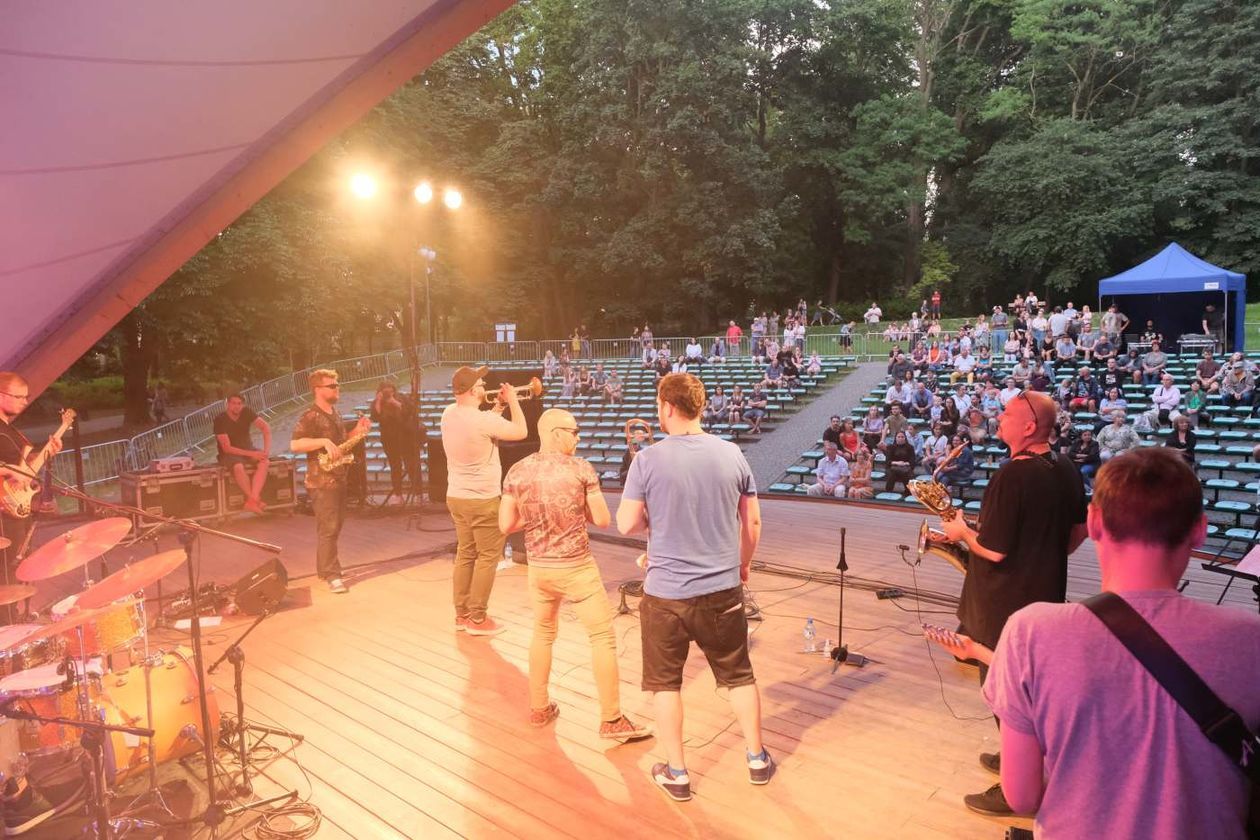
{"x":101,"y":462}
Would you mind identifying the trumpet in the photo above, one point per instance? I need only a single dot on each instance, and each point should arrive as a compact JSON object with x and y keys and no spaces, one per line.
{"x":523,"y":392}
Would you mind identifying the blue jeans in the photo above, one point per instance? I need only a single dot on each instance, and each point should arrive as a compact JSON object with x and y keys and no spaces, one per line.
{"x":1087,"y":474}
{"x":997,"y":340}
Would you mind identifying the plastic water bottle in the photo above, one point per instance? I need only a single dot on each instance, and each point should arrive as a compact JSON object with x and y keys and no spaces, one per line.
{"x":809,"y":634}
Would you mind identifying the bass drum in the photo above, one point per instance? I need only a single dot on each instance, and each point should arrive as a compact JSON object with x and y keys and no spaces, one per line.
{"x":176,"y":706}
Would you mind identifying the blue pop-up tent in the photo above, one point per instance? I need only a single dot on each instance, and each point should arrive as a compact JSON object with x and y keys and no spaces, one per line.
{"x":1172,"y":288}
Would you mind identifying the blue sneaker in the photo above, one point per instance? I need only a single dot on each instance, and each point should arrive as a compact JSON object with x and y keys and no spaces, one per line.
{"x":760,"y":767}
{"x":677,"y":785}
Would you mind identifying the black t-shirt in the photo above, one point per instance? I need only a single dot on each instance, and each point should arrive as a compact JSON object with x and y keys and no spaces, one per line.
{"x":1215,"y":319}
{"x":237,"y":430}
{"x":1027,"y":514}
{"x":1112,"y":379}
{"x":833,"y":435}
{"x":12,"y":443}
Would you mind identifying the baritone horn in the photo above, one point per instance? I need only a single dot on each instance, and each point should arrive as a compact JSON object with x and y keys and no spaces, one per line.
{"x":523,"y":392}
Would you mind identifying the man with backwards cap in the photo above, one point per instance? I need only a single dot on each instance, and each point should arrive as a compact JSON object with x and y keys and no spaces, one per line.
{"x":473,"y":486}
{"x":1032,"y":517}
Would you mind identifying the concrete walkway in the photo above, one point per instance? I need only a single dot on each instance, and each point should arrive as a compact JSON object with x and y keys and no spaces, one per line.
{"x":769,"y":456}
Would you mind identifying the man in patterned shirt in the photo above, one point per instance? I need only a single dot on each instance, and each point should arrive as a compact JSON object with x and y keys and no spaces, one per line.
{"x":320,"y":429}
{"x":551,"y":495}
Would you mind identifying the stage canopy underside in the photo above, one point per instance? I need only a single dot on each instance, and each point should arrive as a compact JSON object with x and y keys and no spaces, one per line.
{"x":135,"y":132}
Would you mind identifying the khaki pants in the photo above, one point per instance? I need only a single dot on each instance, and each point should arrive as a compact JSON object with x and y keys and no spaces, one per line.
{"x":582,"y":587}
{"x":478,"y":553}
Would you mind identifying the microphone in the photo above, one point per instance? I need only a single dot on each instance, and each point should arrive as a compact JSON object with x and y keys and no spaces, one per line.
{"x":843,"y":564}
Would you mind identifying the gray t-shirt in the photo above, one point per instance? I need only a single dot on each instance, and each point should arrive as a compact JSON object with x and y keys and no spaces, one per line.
{"x":691,"y":485}
{"x":1122,"y":759}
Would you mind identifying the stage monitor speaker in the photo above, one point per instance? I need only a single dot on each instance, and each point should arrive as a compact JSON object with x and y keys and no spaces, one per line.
{"x":532,"y":408}
{"x":263,"y":588}
{"x":437,"y":469}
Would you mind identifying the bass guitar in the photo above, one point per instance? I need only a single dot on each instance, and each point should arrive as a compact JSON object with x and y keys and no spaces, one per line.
{"x":18,"y":485}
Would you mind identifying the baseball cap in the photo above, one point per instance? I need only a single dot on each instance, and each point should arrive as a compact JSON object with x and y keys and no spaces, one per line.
{"x":466,"y":377}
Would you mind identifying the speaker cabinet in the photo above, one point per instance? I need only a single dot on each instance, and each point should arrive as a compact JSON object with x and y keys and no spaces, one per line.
{"x":263,"y":588}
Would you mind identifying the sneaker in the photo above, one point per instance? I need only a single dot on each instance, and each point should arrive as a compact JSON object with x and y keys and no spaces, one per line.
{"x":461,"y":623}
{"x":623,"y":729}
{"x":992,"y":762}
{"x":760,"y":768}
{"x":541,"y":717}
{"x":338,"y":586}
{"x":991,"y":803}
{"x":25,"y":810}
{"x":486,"y":627}
{"x":677,"y":785}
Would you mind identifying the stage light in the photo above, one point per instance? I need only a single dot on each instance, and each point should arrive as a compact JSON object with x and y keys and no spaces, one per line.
{"x":363,"y":185}
{"x":452,"y":198}
{"x":424,"y":192}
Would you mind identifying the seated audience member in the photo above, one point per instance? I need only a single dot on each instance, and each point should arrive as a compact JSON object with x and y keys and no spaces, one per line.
{"x":833,"y":430}
{"x":1104,"y":348}
{"x":791,"y":372}
{"x":961,"y":469}
{"x":1183,"y":438}
{"x":599,"y":378}
{"x":1009,"y":391}
{"x":860,"y":475}
{"x":1010,"y":347}
{"x":1166,"y":398}
{"x":831,"y":473}
{"x":814,"y":367}
{"x":568,"y":382}
{"x":1021,"y":372}
{"x":1112,"y":404}
{"x":950,"y":416}
{"x":1084,"y":391}
{"x":549,"y":365}
{"x":715,"y":409}
{"x":693,"y":353}
{"x":899,"y":366}
{"x":717,"y":350}
{"x":935,"y":447}
{"x":850,"y":441}
{"x":1150,"y":335}
{"x":937,"y":357}
{"x":1208,"y":373}
{"x":1040,"y":379}
{"x":1062,"y":433}
{"x":613,"y":388}
{"x":774,"y":375}
{"x":984,"y":362}
{"x":964,"y":367}
{"x":1055,"y":700}
{"x":1152,"y":367}
{"x":1064,"y":351}
{"x":1085,"y":344}
{"x":897,"y":394}
{"x":662,"y":367}
{"x":756,"y":410}
{"x":1131,"y":364}
{"x":1196,"y":406}
{"x":1085,"y":454}
{"x":1117,"y":437}
{"x":920,"y":401}
{"x":899,"y":460}
{"x":872,"y":428}
{"x":896,"y":422}
{"x":1237,"y":386}
{"x":585,"y":382}
{"x":1112,"y":376}
{"x":736,"y":405}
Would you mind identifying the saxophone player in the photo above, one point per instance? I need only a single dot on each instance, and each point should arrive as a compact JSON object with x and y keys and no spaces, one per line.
{"x":321,"y":436}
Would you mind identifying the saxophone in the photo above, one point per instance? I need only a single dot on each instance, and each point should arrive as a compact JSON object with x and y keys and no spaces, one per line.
{"x":935,"y":497}
{"x":327,"y":463}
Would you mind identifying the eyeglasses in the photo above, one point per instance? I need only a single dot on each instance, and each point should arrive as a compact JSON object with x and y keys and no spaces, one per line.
{"x":26,"y":397}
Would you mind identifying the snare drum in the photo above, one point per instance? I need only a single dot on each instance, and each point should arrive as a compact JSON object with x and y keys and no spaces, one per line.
{"x":118,"y":628}
{"x":16,"y":656}
{"x":42,"y":691}
{"x":176,"y":705}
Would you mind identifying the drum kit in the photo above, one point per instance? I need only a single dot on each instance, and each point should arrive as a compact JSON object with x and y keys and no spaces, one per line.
{"x":84,"y":674}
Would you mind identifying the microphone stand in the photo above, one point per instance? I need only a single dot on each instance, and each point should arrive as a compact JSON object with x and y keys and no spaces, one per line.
{"x":189,"y":532}
{"x":236,"y":656}
{"x":840,"y":653}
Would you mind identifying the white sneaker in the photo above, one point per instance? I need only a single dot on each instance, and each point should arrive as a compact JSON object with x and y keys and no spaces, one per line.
{"x":338,"y":586}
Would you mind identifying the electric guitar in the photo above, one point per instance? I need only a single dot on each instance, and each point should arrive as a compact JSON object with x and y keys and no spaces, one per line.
{"x":18,"y":484}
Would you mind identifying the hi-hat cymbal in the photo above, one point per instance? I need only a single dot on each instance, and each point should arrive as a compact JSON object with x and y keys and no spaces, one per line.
{"x":65,"y":625}
{"x":131,"y":579}
{"x":73,"y":549}
{"x":16,"y":593}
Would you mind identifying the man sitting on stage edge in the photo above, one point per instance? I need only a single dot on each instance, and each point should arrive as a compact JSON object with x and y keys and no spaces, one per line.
{"x":551,"y":495}
{"x":1073,"y":750}
{"x":473,"y":479}
{"x":1032,"y":516}
{"x":236,"y":449}
{"x":696,"y":494}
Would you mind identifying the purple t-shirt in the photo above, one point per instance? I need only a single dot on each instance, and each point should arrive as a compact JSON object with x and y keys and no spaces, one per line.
{"x":1122,"y":759}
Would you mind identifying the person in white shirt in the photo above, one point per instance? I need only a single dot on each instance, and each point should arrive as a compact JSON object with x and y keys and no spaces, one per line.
{"x":872,"y":315}
{"x":1166,"y":398}
{"x":898,"y":393}
{"x":693,"y":353}
{"x":964,"y":365}
{"x":935,"y":447}
{"x":832,"y":474}
{"x":1009,"y":392}
{"x":961,"y":399}
{"x":1058,"y":323}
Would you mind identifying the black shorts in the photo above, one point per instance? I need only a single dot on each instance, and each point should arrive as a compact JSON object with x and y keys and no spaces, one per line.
{"x":715,"y":622}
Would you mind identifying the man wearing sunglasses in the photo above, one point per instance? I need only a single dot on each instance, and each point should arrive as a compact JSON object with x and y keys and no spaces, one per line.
{"x":551,"y":495}
{"x":1032,"y":516}
{"x":320,"y":429}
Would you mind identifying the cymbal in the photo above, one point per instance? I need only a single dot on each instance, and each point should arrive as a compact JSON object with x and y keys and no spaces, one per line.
{"x":15,"y":593}
{"x":131,"y":579}
{"x":73,"y":549}
{"x":65,"y":625}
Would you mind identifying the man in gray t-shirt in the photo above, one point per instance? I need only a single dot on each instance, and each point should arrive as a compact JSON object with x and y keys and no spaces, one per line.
{"x":1090,"y":741}
{"x":697,"y":494}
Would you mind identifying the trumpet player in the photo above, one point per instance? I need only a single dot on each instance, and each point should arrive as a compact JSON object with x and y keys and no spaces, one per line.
{"x":320,"y":431}
{"x":474,"y":480}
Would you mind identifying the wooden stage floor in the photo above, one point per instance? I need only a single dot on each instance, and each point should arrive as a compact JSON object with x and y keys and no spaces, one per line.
{"x":415,"y":731}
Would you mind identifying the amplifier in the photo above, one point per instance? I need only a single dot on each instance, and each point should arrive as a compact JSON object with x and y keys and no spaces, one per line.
{"x":279,"y":492}
{"x":191,"y":494}
{"x":179,"y":463}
